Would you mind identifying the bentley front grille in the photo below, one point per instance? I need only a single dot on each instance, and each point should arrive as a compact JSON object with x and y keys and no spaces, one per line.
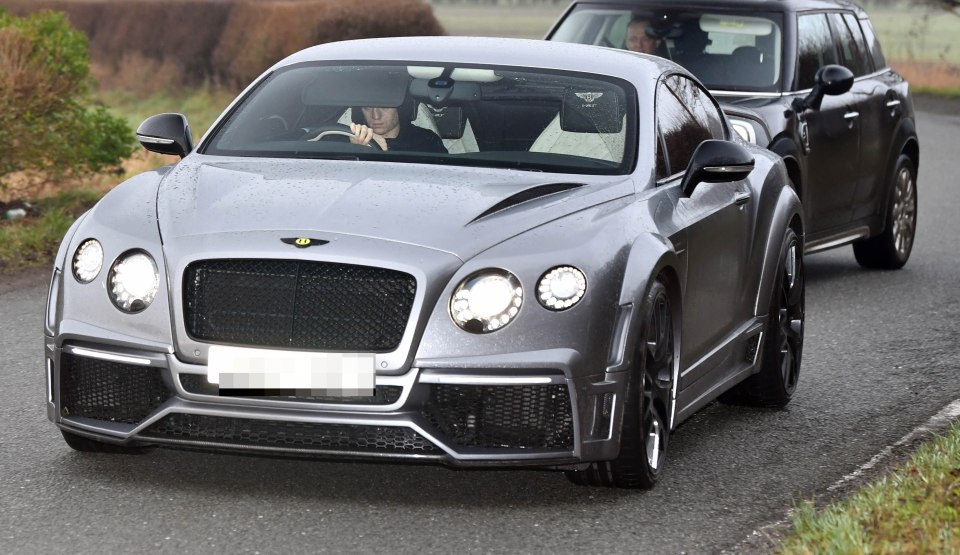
{"x":110,"y":391}
{"x":290,"y":435}
{"x":502,"y":416}
{"x":297,"y":304}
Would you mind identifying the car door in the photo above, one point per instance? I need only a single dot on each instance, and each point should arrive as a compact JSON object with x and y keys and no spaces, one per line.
{"x":714,"y":225}
{"x":878,"y":103}
{"x":832,"y":132}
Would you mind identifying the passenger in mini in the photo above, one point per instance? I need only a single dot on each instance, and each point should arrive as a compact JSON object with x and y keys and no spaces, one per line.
{"x":639,"y":39}
{"x":390,"y":131}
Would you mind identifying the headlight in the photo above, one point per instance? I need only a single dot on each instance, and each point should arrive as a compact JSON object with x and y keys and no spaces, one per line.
{"x":486,"y":301}
{"x":87,"y":261}
{"x":561,"y":288}
{"x":133,"y":281}
{"x":745,"y":129}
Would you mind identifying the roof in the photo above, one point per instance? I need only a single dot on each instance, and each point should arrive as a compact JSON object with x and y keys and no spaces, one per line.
{"x":488,"y":51}
{"x":753,"y":5}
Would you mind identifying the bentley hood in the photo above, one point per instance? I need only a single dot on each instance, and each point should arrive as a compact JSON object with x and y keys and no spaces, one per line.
{"x":462,"y":211}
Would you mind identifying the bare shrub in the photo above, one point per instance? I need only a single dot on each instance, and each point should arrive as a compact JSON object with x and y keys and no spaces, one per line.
{"x":229,"y":42}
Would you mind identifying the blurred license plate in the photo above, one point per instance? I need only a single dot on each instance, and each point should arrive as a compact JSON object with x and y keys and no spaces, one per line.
{"x":240,"y":371}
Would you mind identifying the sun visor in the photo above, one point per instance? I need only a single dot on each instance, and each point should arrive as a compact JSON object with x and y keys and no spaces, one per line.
{"x":591,"y":110}
{"x":357,"y":88}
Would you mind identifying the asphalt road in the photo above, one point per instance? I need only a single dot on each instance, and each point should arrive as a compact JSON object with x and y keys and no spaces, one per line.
{"x":880,"y":358}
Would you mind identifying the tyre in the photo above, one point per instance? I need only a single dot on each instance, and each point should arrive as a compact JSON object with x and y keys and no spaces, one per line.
{"x":774,"y":384}
{"x":87,"y":445}
{"x":891,"y":249}
{"x":645,"y":430}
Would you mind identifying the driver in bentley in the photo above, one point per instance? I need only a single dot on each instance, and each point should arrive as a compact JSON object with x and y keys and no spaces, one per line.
{"x":391,"y":129}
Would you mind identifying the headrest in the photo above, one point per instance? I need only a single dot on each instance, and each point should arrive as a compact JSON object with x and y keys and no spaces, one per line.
{"x":591,"y":110}
{"x":449,"y":120}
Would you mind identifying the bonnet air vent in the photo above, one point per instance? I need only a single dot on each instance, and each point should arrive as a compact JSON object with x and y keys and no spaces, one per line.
{"x":527,"y":195}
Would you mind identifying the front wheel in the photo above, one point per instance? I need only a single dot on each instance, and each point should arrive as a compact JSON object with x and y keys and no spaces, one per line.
{"x":891,"y":249}
{"x":645,"y":430}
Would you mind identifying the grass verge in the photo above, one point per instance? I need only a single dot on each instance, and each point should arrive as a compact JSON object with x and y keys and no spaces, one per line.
{"x":33,"y":240}
{"x":916,"y":509}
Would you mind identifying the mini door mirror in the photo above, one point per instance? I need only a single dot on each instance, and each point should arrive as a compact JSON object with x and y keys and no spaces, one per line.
{"x":717,"y":162}
{"x":166,"y":134}
{"x":832,"y":80}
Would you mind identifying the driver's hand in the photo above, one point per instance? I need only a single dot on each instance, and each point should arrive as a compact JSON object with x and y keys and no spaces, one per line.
{"x":362,"y":135}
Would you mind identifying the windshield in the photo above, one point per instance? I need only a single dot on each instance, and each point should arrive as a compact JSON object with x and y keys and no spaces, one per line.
{"x":727,"y":51}
{"x":464,"y":115}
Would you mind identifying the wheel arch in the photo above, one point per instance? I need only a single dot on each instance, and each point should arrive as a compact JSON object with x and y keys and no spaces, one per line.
{"x":787,"y":215}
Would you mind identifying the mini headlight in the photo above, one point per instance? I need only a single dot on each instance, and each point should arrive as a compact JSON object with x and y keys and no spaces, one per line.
{"x":745,"y":129}
{"x":87,"y":261}
{"x":561,"y":288}
{"x":133,"y":281}
{"x":486,"y":301}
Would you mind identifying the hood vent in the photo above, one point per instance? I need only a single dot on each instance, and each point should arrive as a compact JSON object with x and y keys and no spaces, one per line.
{"x":527,"y":195}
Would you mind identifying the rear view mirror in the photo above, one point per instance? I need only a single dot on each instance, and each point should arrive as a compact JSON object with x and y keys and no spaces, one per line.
{"x":166,"y":134}
{"x":717,"y":162}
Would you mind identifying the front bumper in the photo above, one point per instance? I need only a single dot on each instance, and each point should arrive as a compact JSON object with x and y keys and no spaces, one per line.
{"x":528,"y":410}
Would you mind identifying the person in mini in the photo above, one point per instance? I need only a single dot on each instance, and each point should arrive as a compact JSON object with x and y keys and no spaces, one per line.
{"x":391,"y":129}
{"x":638,"y":40}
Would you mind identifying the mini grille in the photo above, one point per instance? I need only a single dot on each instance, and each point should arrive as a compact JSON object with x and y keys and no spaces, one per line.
{"x":111,"y":391}
{"x":383,"y":394}
{"x":509,"y":416}
{"x":297,"y":304}
{"x":292,"y":435}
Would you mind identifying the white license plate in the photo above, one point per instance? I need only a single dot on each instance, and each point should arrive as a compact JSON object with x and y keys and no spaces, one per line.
{"x":245,"y":371}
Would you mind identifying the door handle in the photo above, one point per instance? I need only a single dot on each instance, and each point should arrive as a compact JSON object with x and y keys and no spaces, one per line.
{"x":741,"y":197}
{"x":851,"y":115}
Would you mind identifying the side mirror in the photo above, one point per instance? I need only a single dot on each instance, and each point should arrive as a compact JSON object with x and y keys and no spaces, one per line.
{"x":832,"y":80}
{"x":717,"y":162}
{"x":166,"y":134}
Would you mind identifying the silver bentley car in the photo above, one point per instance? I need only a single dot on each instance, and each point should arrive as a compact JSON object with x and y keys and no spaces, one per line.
{"x":458,"y":250}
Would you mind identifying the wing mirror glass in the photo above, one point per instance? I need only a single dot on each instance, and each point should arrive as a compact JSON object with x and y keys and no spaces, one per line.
{"x":166,"y":134}
{"x":717,"y":162}
{"x":832,"y":80}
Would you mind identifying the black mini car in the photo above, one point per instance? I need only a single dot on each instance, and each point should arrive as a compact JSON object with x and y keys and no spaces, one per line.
{"x":806,"y":79}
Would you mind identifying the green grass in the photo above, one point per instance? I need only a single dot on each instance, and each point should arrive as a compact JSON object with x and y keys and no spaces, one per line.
{"x":914,"y":510}
{"x":201,"y":105}
{"x":33,"y":241}
{"x":917,"y":34}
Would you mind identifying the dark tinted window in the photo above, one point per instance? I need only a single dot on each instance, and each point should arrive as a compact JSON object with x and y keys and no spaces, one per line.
{"x":814,"y":47}
{"x":879,"y":62}
{"x":850,"y":40}
{"x":681,"y":131}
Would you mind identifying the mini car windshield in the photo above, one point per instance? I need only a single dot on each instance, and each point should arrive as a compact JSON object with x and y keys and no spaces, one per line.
{"x":727,"y":51}
{"x":453,"y":115}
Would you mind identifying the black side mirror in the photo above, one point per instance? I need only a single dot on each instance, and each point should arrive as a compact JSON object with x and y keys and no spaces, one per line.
{"x":717,"y":162}
{"x":166,"y":134}
{"x":832,"y":80}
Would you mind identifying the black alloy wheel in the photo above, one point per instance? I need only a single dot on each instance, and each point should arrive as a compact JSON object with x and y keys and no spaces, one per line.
{"x":775,"y":382}
{"x":646,"y":428}
{"x":891,"y":249}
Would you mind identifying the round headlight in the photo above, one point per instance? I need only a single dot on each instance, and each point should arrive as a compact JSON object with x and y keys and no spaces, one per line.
{"x":486,"y":301}
{"x":133,"y":281}
{"x":561,"y":288}
{"x":87,"y":261}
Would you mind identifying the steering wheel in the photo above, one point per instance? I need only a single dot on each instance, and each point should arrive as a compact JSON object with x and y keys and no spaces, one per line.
{"x":338,"y":130}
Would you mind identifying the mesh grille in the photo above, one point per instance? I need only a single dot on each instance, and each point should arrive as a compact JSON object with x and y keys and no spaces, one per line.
{"x":297,"y":304}
{"x":111,"y":391}
{"x":295,"y":435}
{"x":383,"y":394}
{"x":508,"y":416}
